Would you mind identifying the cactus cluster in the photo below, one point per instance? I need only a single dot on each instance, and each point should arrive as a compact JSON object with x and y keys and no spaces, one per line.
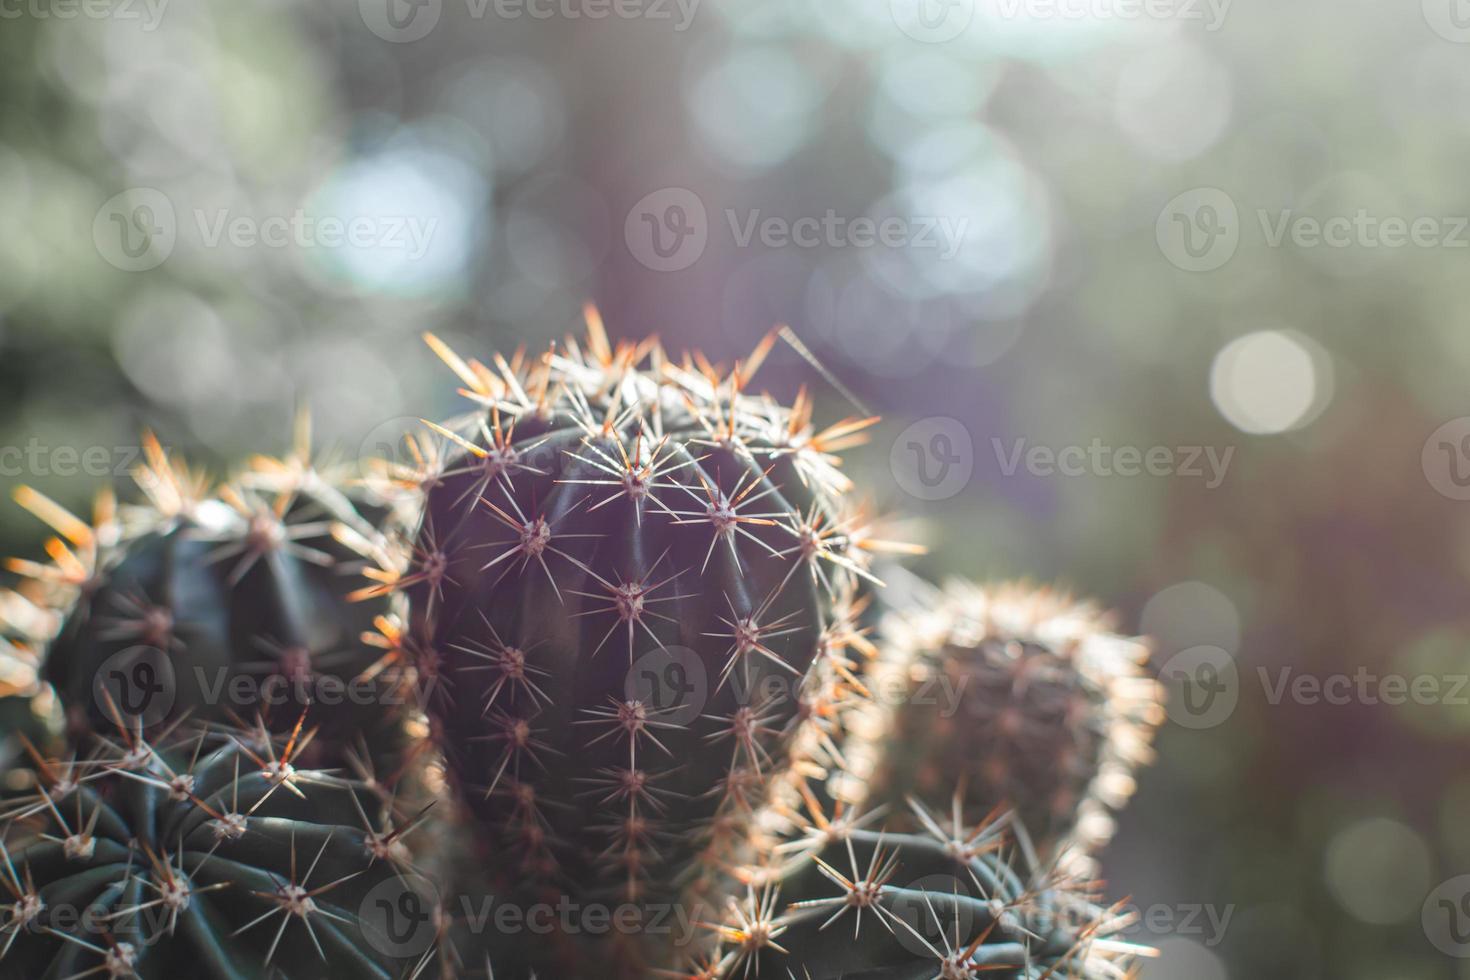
{"x":631,"y":665}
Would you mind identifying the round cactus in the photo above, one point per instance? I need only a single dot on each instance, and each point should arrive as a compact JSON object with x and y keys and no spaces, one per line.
{"x":214,"y":604}
{"x":620,"y":584}
{"x":946,"y":901}
{"x":211,"y":856}
{"x":1024,"y":698}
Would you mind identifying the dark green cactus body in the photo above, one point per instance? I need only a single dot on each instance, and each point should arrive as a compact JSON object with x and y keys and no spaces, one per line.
{"x":942,"y":902}
{"x":622,"y":584}
{"x":220,"y":861}
{"x":233,"y":606}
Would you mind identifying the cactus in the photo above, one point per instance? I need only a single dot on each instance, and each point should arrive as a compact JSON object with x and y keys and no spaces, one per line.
{"x":950,"y":900}
{"x":621,"y":583}
{"x":214,"y":603}
{"x":207,"y":854}
{"x":1023,"y":697}
{"x":623,"y":631}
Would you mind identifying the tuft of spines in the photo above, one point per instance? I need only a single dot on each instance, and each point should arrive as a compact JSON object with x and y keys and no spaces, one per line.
{"x":626,"y":568}
{"x":1022,"y":697}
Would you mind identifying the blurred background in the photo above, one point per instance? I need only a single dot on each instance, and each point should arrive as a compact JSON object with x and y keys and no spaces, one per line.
{"x":1159,"y":299}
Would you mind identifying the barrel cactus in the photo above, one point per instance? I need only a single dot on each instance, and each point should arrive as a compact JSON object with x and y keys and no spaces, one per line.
{"x":210,"y":854}
{"x":1023,"y":697}
{"x":949,"y":900}
{"x":217,"y":603}
{"x":621,"y":583}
